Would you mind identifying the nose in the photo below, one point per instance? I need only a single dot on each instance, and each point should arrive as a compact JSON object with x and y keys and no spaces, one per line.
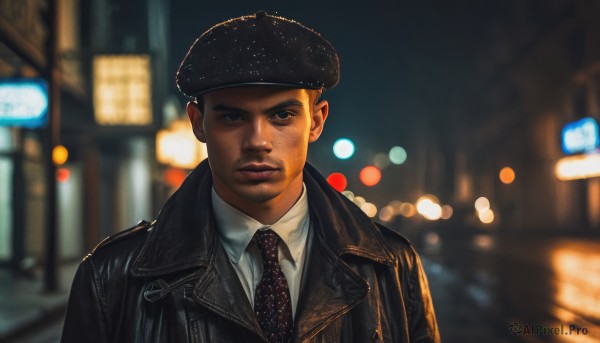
{"x":258,"y":136}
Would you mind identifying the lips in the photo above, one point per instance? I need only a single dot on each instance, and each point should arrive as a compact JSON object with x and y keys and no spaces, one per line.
{"x":258,"y":172}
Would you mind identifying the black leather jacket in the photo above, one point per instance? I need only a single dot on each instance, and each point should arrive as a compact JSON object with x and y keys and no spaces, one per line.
{"x":171,"y":281}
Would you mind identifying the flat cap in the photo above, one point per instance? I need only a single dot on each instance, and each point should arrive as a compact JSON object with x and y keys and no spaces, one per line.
{"x":258,"y":49}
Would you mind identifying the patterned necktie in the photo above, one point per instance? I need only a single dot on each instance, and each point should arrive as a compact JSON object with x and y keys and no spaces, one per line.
{"x":272,"y":304}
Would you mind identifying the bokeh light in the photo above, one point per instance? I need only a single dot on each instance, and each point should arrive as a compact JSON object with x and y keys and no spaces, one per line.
{"x":408,"y":210}
{"x":369,"y":209}
{"x":63,"y":174}
{"x":507,"y":175}
{"x":386,"y":214}
{"x":432,"y":238}
{"x":343,"y":148}
{"x":486,"y":216}
{"x":483,"y":242}
{"x":397,"y":155}
{"x":482,"y":204}
{"x":337,"y":181}
{"x":349,"y":194}
{"x":359,"y":201}
{"x":429,"y":209}
{"x":447,"y":212}
{"x":397,"y":206}
{"x":381,"y":160}
{"x":431,"y":197}
{"x":174,"y":177}
{"x":370,"y":176}
{"x":60,"y":155}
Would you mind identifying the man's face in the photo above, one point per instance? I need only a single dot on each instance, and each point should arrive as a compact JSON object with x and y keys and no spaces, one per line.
{"x":257,"y":140}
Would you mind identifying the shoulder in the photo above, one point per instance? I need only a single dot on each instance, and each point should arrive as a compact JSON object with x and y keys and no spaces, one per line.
{"x":400,"y":246}
{"x":102,"y":278}
{"x":116,"y":253}
{"x":134,"y":232}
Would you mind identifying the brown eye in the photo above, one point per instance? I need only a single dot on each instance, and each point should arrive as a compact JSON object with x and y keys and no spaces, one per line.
{"x":282,"y":115}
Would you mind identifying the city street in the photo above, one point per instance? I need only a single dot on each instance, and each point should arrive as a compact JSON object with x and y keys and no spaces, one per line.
{"x":471,"y":127}
{"x":515,"y":289}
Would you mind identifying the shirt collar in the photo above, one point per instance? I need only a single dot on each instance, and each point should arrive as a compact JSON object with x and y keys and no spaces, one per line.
{"x":237,"y":228}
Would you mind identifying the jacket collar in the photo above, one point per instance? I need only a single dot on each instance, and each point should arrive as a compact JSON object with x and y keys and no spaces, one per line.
{"x":184,"y":235}
{"x":344,"y":226}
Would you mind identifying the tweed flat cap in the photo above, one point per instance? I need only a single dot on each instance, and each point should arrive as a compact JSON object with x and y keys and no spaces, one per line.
{"x":258,"y":49}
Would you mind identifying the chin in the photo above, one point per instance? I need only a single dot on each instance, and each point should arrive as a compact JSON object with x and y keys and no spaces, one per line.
{"x":258,"y":194}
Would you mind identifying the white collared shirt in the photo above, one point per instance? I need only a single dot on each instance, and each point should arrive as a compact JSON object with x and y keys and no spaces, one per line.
{"x":236,"y":230}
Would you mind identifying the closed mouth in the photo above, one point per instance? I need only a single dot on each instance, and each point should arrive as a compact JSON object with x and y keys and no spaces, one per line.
{"x":257,"y":168}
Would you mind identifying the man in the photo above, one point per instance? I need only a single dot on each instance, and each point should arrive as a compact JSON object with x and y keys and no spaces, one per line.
{"x":255,"y":246}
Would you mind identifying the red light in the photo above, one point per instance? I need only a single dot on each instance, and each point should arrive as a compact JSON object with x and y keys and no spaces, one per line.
{"x":370,"y":176}
{"x":337,"y":181}
{"x":63,"y":174}
{"x":175,"y":177}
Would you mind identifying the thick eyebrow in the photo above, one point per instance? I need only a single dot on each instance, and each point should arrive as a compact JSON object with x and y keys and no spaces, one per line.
{"x":284,"y":105}
{"x":225,"y":108}
{"x":280,"y":106}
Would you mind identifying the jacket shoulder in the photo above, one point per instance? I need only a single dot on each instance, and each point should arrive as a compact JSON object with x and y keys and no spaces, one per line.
{"x":393,"y":237}
{"x":141,"y":227}
{"x":122,"y":247}
{"x":112,"y":258}
{"x":399,"y":245}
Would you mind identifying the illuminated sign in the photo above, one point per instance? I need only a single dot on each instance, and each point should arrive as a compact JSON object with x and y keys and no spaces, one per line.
{"x":122,"y":90}
{"x":578,"y":167}
{"x":580,"y":136}
{"x":23,"y":102}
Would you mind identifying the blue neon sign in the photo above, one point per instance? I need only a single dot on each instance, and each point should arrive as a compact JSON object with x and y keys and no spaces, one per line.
{"x":23,"y":102}
{"x":580,"y":136}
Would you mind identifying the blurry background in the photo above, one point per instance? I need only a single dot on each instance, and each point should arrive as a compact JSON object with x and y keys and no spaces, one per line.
{"x":469,"y":126}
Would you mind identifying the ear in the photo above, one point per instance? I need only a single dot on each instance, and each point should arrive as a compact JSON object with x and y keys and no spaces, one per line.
{"x":196,"y":116}
{"x":318,"y":117}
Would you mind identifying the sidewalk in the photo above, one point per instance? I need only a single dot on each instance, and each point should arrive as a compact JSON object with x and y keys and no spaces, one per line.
{"x":24,"y":304}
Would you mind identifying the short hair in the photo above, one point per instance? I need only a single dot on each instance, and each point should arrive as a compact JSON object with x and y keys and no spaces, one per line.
{"x":313,"y":97}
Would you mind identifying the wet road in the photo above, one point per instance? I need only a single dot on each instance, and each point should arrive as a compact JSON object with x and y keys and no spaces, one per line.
{"x":490,"y":289}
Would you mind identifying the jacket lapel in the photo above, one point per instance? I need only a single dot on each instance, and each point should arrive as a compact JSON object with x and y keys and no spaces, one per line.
{"x":183,"y":238}
{"x":329,"y":290}
{"x":220,"y":290}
